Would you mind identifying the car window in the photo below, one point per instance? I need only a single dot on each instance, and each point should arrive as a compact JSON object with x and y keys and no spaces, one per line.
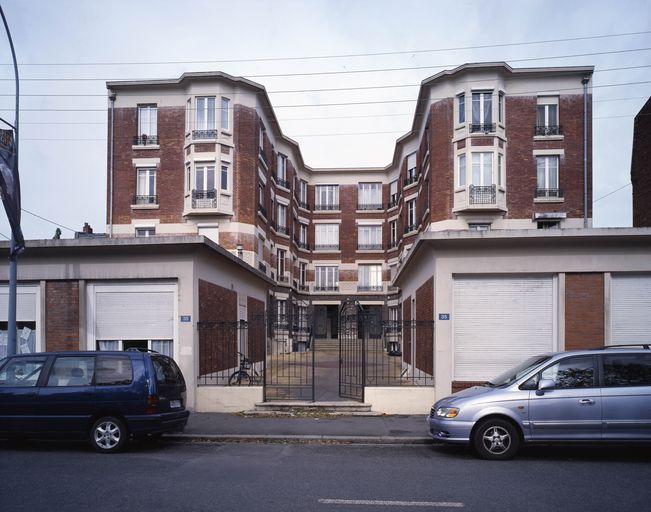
{"x":627,"y":370}
{"x":21,"y":372}
{"x":167,"y":372}
{"x":518,"y":371}
{"x":571,"y":373}
{"x":113,"y":370}
{"x":72,"y":371}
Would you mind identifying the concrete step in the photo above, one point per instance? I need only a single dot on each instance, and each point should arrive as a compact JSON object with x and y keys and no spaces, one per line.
{"x":300,"y":408}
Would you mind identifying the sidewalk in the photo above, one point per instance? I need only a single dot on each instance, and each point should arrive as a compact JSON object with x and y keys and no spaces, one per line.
{"x":222,"y":427}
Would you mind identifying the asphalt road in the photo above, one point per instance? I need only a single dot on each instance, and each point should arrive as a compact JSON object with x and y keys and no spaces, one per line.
{"x":324,"y":478}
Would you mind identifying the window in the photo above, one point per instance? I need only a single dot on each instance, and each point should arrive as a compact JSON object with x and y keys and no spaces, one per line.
{"x":302,"y":194}
{"x":621,"y":370}
{"x":479,"y":226}
{"x":145,"y":232}
{"x":326,"y":278}
{"x":411,"y":169}
{"x":188,"y":116}
{"x":547,"y":176}
{"x":260,"y":193}
{"x":461,"y":159}
{"x":482,"y":112}
{"x":162,"y":346}
{"x":302,"y":236}
{"x":393,"y":193}
{"x":147,"y":125}
{"x":224,"y":176}
{"x":326,"y":236}
{"x":369,"y":278}
{"x":261,"y":141}
{"x":281,"y":219}
{"x":113,"y":370}
{"x":327,"y":197}
{"x":281,"y":171}
{"x":411,"y":216}
{"x":482,"y":169}
{"x":369,"y":237}
{"x":72,"y":371}
{"x":571,"y":373}
{"x":500,"y":169}
{"x":188,"y":179}
{"x":369,"y":196}
{"x":461,"y":104}
{"x":224,"y":118}
{"x":205,"y":120}
{"x":280,"y":263}
{"x":146,"y":186}
{"x":547,"y":116}
{"x":204,"y":177}
{"x":302,"y":273}
{"x":281,"y":311}
{"x":500,"y":107}
{"x":393,"y":233}
{"x":21,"y":372}
{"x":548,"y":224}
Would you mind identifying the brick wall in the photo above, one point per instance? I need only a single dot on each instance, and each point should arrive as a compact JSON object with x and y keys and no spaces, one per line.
{"x":584,"y":310}
{"x":406,"y":333}
{"x":245,"y":165}
{"x":425,"y":327}
{"x":62,"y":315}
{"x":641,"y":167}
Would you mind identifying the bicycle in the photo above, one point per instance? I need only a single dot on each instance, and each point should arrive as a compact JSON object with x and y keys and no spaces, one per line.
{"x":246,"y":375}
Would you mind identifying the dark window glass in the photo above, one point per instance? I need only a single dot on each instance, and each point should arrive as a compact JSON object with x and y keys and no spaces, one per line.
{"x":570,"y":373}
{"x":112,"y":370}
{"x":627,"y":370}
{"x":166,"y":370}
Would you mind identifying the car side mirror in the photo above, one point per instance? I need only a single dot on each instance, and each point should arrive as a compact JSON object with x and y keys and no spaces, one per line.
{"x":545,"y":385}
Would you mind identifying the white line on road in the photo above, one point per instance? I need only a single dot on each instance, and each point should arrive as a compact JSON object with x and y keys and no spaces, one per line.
{"x":441,"y":504}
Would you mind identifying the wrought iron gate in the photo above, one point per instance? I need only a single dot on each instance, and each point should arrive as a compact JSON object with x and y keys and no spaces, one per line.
{"x":351,"y":352}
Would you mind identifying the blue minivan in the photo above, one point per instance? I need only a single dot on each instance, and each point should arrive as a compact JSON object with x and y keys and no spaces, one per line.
{"x":108,"y":397}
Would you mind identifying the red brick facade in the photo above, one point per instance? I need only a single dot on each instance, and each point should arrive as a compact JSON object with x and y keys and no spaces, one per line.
{"x":425,"y":327}
{"x":584,"y":311}
{"x":62,"y":315}
{"x":641,"y":167}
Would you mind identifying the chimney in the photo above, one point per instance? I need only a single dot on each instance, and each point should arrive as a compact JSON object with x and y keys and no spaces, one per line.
{"x":87,"y":229}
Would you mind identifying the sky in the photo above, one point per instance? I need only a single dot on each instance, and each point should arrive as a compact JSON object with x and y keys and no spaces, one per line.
{"x":68,"y":49}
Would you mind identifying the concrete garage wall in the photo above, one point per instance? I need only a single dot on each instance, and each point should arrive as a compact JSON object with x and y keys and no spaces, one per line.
{"x":406,"y":400}
{"x":227,"y":398}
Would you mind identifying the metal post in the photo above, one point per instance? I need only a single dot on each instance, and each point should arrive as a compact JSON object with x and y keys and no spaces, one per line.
{"x":13,"y":258}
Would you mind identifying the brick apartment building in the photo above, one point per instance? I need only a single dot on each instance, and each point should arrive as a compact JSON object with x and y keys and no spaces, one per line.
{"x":641,"y":168}
{"x":490,"y":147}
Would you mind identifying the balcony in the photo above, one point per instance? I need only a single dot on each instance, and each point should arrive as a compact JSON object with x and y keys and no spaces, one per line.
{"x":204,"y":198}
{"x":410,"y":180}
{"x":393,"y":244}
{"x":375,"y":206}
{"x":204,"y":134}
{"x":546,"y":131}
{"x":303,"y":204}
{"x":482,"y":194}
{"x":145,"y":200}
{"x":326,"y":207}
{"x":326,"y":287}
{"x":549,"y":193}
{"x":302,"y":245}
{"x":369,"y":247}
{"x":393,"y":202}
{"x":283,"y":279}
{"x":410,"y":227}
{"x":482,"y":128}
{"x":262,"y":210}
{"x":262,"y":156}
{"x":282,"y":230}
{"x":326,"y":247}
{"x":370,"y":288}
{"x":145,"y":140}
{"x":282,"y":182}
{"x":303,"y":287}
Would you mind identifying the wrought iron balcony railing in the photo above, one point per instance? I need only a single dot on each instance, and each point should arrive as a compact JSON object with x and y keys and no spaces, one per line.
{"x":140,"y":199}
{"x":281,"y":229}
{"x":262,"y":210}
{"x":393,"y":201}
{"x":482,"y":128}
{"x":145,"y":140}
{"x":282,"y":182}
{"x":369,"y":288}
{"x":303,"y":287}
{"x":482,"y":194}
{"x":549,"y":130}
{"x":204,"y":134}
{"x":326,"y":287}
{"x":204,"y":198}
{"x":326,"y":247}
{"x":549,"y":192}
{"x":374,"y":206}
{"x":369,"y":247}
{"x":303,"y":204}
{"x":302,"y":245}
{"x":410,"y":227}
{"x":411,"y":179}
{"x":262,"y":155}
{"x":326,"y":207}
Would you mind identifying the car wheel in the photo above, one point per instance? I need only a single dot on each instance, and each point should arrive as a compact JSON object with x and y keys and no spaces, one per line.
{"x":496,"y":439}
{"x":108,"y":435}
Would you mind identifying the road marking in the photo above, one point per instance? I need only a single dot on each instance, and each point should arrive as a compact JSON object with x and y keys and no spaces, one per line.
{"x":441,"y":504}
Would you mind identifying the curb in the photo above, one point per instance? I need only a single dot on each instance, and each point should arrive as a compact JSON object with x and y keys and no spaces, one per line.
{"x":298,"y":439}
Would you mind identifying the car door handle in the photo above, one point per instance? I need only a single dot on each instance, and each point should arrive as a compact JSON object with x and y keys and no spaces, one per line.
{"x":586,"y":401}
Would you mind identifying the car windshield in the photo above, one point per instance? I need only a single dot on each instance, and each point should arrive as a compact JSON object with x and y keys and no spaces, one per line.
{"x":513,"y":374}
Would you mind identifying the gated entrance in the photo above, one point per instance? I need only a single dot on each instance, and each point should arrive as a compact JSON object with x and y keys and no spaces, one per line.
{"x":351,"y":352}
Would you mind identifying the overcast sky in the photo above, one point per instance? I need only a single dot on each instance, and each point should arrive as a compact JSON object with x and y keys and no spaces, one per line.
{"x":67,"y":50}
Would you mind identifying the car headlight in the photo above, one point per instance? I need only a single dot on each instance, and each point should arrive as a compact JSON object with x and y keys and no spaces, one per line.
{"x":447,"y":412}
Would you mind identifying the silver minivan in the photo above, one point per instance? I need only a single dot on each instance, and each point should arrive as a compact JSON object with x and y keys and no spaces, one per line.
{"x":600,"y":395}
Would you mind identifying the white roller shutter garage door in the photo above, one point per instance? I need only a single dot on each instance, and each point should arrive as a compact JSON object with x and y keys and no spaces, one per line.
{"x":499,"y":322}
{"x":630,"y":300}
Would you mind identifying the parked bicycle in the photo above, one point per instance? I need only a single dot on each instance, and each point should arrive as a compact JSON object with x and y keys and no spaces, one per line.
{"x":246,"y":375}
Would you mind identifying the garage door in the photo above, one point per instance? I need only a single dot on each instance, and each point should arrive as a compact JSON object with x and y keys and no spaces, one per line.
{"x":499,"y":322}
{"x":630,"y":310}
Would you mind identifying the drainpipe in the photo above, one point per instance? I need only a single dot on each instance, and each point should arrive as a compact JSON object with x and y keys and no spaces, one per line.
{"x":585,"y":150}
{"x":111,"y":153}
